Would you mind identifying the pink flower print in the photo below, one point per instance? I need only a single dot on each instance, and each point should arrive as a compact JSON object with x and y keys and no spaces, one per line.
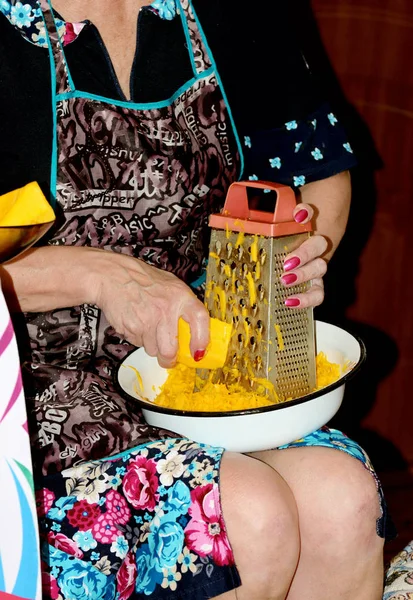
{"x":44,"y":501}
{"x":50,"y":589}
{"x":205,"y":533}
{"x":72,"y":30}
{"x":105,"y":530}
{"x":61,"y":542}
{"x":117,"y":508}
{"x":83,"y":515}
{"x":140,"y":483}
{"x":126,"y":577}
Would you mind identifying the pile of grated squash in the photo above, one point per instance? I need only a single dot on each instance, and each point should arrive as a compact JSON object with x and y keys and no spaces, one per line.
{"x":177,"y":392}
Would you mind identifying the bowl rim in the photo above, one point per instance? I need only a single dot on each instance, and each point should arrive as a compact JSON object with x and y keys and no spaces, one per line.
{"x":29,"y":226}
{"x":147,"y":405}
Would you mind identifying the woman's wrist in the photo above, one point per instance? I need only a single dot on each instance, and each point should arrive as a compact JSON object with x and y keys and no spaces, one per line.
{"x":50,"y":277}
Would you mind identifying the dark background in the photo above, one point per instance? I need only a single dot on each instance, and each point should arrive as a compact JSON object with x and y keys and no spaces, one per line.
{"x":362,"y":51}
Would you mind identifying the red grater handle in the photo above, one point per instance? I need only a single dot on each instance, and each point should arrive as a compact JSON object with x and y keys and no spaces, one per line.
{"x":237,"y":215}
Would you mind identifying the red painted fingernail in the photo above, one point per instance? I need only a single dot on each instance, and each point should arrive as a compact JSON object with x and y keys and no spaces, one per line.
{"x":289,"y":278}
{"x":301,"y":216}
{"x":199,"y":355}
{"x":291,"y":263}
{"x":292,"y":302}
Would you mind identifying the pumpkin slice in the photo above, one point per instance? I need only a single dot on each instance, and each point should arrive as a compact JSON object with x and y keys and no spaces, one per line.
{"x":25,"y":206}
{"x":217,"y":350}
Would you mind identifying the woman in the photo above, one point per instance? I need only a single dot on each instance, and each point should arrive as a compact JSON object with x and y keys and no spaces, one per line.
{"x":126,"y":510}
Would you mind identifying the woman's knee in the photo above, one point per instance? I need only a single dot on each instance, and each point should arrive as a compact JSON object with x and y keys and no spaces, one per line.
{"x":340,"y":500}
{"x":261,"y":519}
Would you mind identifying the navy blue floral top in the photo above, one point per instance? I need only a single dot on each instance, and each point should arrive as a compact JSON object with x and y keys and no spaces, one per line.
{"x":289,"y":132}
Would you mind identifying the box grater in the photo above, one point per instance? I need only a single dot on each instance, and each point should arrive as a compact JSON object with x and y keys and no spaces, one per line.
{"x":270,"y":342}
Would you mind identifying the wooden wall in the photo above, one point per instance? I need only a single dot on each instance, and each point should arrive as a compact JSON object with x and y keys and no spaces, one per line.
{"x":364,"y":48}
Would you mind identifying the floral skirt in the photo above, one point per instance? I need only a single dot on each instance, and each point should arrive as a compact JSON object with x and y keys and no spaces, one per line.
{"x":147,"y":522}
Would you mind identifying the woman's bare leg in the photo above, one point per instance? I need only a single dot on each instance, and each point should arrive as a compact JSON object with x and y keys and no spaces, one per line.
{"x":262,"y":524}
{"x":341,"y":553}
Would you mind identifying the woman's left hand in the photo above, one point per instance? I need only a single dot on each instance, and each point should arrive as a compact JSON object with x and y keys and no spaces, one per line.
{"x":306,"y":264}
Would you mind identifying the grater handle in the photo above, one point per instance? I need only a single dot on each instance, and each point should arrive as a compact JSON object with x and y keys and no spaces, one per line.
{"x":236,"y":203}
{"x":238,"y":216}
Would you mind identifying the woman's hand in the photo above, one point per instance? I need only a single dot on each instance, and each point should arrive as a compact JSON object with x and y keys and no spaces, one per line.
{"x":306,"y":264}
{"x":141,"y":302}
{"x":144,"y":304}
{"x":328,"y":200}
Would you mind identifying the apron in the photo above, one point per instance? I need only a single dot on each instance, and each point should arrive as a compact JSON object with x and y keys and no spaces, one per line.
{"x":132,"y":178}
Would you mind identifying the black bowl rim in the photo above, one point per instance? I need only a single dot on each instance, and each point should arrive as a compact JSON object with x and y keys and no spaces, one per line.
{"x":249,"y":411}
{"x":27,"y":226}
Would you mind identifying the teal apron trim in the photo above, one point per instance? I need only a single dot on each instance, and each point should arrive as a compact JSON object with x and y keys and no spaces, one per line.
{"x":214,"y":66}
{"x":187,"y":36}
{"x":53,"y":166}
{"x":69,"y":77}
{"x":135,"y":105}
{"x":161,"y":104}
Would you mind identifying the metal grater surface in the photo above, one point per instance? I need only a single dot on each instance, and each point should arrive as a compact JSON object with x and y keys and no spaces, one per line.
{"x":270,"y":341}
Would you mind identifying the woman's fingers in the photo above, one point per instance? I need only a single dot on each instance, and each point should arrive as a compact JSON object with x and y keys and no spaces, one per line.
{"x":306,"y":264}
{"x":310,"y":249}
{"x":198,"y":318}
{"x":313,"y":297}
{"x":314,"y":269}
{"x":303,"y":213}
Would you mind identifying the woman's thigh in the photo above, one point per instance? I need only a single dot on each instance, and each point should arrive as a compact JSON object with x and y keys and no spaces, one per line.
{"x":162,"y":518}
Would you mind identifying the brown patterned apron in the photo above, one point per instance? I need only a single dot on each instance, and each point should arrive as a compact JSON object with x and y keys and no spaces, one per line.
{"x":134,"y":178}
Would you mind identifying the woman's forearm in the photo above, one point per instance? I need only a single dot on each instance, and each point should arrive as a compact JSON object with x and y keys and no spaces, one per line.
{"x":330,"y":199}
{"x":49,"y":277}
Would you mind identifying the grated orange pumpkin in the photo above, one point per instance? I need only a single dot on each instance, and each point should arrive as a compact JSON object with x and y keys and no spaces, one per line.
{"x":177,"y":392}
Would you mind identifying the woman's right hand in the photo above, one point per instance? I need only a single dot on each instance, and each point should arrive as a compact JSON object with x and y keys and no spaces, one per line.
{"x":144,"y":303}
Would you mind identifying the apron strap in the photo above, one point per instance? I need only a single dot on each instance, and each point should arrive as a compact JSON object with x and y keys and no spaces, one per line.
{"x":200,"y":53}
{"x":63,"y":81}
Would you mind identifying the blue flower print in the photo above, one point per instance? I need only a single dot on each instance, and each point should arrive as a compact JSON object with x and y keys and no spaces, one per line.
{"x":81,"y":581}
{"x":332,"y":118}
{"x":165,"y":8}
{"x":297,"y":146}
{"x":120,"y":470}
{"x":148,"y":572}
{"x":62,"y":505}
{"x":348,"y":147}
{"x":21,"y":15}
{"x":56,"y":527}
{"x":247,"y":141}
{"x":85,"y":540}
{"x":299,"y":180}
{"x":166,"y":540}
{"x":94,"y":555}
{"x":120,"y":547}
{"x":138,"y":519}
{"x":314,"y":123}
{"x":5,"y":7}
{"x":291,"y":125}
{"x":148,"y":517}
{"x":179,"y":498}
{"x":253,"y":178}
{"x":183,"y":521}
{"x":275,"y":162}
{"x":317,"y":154}
{"x":54,"y":572}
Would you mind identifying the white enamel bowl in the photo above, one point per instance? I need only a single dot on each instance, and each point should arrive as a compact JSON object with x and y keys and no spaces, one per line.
{"x":254,"y":429}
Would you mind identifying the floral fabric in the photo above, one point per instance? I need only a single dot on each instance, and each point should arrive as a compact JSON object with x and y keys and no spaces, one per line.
{"x":27,"y":18}
{"x":332,"y":438}
{"x":399,"y":576}
{"x":299,"y":152}
{"x":147,"y":522}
